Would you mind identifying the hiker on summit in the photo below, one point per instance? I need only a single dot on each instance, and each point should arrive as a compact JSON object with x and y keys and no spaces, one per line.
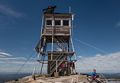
{"x":94,"y":77}
{"x":94,"y":74}
{"x":72,"y":67}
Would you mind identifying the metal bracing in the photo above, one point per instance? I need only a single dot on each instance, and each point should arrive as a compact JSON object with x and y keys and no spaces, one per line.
{"x":73,"y":47}
{"x":42,"y":25}
{"x":42,"y":64}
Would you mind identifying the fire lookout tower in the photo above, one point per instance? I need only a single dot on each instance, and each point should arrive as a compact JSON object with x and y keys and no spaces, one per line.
{"x":55,"y":46}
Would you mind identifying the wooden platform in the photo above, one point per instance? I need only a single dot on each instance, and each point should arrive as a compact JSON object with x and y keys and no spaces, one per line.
{"x":56,"y":53}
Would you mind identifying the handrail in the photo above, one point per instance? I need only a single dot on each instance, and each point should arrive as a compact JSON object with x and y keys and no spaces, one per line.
{"x":59,"y":55}
{"x":57,"y":67}
{"x":58,"y":58}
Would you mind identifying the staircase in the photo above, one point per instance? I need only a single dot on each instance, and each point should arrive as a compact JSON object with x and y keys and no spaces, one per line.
{"x":60,"y":58}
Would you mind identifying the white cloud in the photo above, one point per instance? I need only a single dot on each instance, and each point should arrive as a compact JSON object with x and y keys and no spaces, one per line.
{"x":6,"y":57}
{"x":16,"y":60}
{"x":4,"y":54}
{"x":103,"y":63}
{"x":9,"y":11}
{"x":10,"y":63}
{"x":118,"y":24}
{"x":21,"y":64}
{"x":59,"y":49}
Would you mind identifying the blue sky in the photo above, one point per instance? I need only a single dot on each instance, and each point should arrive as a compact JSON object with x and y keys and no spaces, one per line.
{"x":96,"y":26}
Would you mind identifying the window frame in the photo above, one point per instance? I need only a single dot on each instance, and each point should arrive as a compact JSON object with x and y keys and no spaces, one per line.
{"x":66,"y":20}
{"x":57,"y":20}
{"x":49,"y":20}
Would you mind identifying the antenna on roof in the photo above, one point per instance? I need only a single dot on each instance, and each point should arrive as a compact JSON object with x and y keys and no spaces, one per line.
{"x":69,"y":9}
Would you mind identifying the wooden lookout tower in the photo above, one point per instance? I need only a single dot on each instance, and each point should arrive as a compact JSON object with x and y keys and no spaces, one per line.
{"x":55,"y":46}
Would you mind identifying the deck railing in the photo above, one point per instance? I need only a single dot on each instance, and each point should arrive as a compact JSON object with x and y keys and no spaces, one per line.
{"x":57,"y":31}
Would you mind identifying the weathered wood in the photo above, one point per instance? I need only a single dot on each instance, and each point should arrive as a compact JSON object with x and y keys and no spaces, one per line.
{"x":57,"y":31}
{"x":59,"y":15}
{"x":56,"y":34}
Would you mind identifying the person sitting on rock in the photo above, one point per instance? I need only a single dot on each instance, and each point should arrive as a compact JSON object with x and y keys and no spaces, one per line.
{"x":94,"y":74}
{"x":95,"y":77}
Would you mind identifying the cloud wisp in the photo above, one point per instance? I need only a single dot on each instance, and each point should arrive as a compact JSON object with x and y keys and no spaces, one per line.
{"x":108,"y":63}
{"x":103,"y":63}
{"x":118,"y":24}
{"x":4,"y":54}
{"x":19,"y":64}
{"x":5,"y":10}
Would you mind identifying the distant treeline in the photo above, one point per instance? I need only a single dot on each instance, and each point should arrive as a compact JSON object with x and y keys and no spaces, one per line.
{"x":7,"y":77}
{"x":112,"y":76}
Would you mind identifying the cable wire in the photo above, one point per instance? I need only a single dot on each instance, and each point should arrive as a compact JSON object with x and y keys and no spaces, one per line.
{"x":23,"y":64}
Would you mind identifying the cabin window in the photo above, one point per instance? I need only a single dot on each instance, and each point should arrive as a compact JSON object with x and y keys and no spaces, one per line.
{"x":65,"y":22}
{"x":49,"y":22}
{"x":57,"y":22}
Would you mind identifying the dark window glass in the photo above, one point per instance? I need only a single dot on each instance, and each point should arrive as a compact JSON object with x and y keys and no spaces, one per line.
{"x":65,"y":22}
{"x":57,"y":22}
{"x":49,"y":22}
